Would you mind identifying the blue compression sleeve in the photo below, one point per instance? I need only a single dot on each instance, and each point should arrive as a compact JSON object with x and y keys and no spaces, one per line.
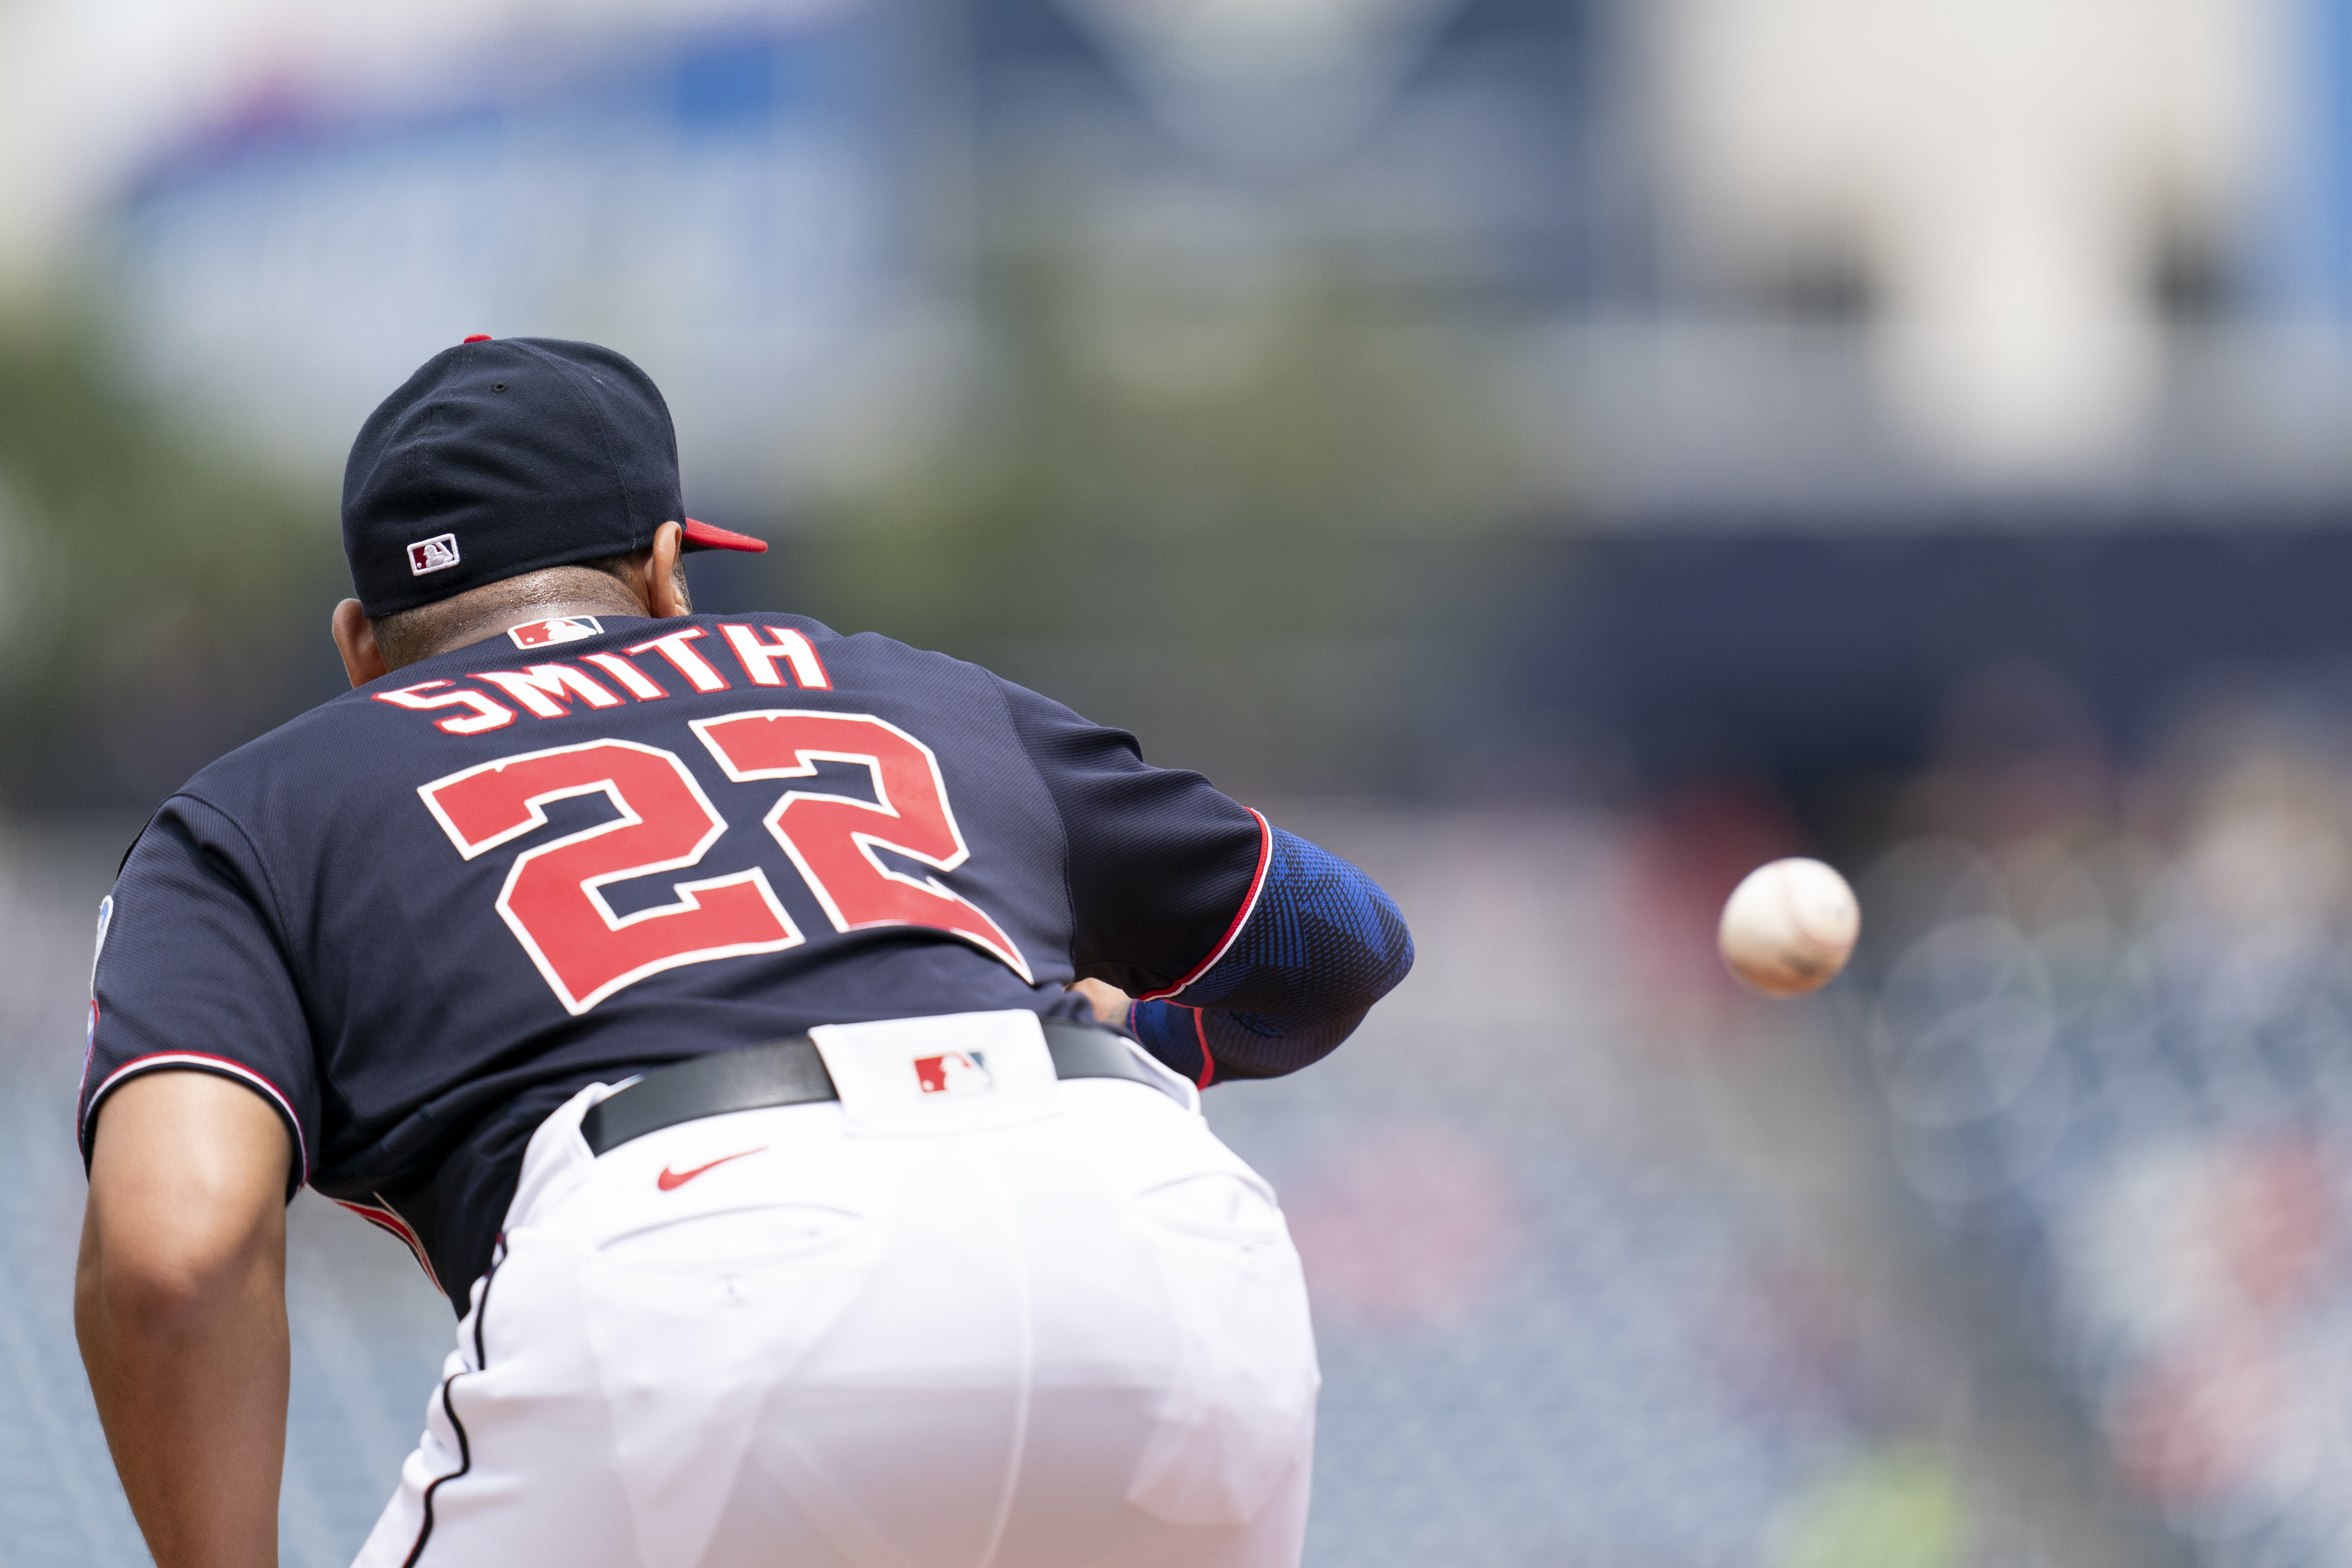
{"x":1322,"y":944}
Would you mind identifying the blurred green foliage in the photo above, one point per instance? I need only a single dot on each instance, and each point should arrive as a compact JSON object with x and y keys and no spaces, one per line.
{"x":152,"y":585}
{"x":1265,"y":513}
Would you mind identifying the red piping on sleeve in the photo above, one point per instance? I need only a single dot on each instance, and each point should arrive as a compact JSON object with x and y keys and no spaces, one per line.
{"x":1241,"y":915}
{"x":202,"y":1062}
{"x":1207,"y":1062}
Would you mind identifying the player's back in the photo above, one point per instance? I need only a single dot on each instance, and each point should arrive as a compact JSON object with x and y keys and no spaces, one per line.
{"x":575,"y":836}
{"x":582,"y":849}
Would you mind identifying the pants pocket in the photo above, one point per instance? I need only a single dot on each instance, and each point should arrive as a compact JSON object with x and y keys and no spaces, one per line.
{"x":690,"y":1325}
{"x":1239,"y":1414}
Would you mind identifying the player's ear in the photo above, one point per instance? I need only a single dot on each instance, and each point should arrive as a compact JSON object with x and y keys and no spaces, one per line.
{"x":665,"y":586}
{"x":356,"y":640}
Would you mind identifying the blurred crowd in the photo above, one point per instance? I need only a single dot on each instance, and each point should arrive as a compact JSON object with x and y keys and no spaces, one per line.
{"x":2109,"y":1011}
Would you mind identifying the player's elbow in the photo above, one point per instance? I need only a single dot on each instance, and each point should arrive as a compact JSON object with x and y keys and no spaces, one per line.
{"x":1380,"y":968}
{"x":139,"y":1298}
{"x":1371,"y":958}
{"x":157,"y":1282}
{"x":158,"y":1260}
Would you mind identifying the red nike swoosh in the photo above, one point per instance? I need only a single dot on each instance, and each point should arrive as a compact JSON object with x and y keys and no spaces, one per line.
{"x":669,"y":1181}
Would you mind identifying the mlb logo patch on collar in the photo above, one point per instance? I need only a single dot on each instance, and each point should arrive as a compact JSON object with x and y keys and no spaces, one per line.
{"x":562,"y":628}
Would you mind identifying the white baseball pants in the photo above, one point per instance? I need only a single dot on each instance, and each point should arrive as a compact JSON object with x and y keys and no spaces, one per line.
{"x":791,"y":1339}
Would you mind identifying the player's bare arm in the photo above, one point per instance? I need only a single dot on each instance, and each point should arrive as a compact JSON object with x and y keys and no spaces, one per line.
{"x":180,"y":1305}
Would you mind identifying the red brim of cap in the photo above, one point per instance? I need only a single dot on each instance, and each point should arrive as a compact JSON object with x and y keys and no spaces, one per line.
{"x":703,"y":536}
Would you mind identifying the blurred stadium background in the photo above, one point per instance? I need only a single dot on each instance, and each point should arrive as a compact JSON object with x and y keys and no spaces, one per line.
{"x":1560,"y":452}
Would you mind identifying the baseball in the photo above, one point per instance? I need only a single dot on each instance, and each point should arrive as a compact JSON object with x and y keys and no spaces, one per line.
{"x":1788,"y":927}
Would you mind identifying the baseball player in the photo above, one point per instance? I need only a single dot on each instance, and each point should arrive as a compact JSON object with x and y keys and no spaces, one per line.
{"x":711,"y":1004}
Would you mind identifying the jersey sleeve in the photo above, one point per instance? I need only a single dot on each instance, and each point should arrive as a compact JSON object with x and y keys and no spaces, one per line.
{"x":1160,"y":864}
{"x":1318,"y":944}
{"x":1250,"y":952}
{"x":191,"y":973}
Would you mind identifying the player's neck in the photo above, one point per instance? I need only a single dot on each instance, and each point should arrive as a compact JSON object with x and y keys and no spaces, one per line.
{"x":549,"y":612}
{"x":499,"y":624}
{"x":496,"y":620}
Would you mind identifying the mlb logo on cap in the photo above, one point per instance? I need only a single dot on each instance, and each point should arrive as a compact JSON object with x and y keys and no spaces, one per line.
{"x":562,"y":628}
{"x":438,"y":554}
{"x":957,"y":1072}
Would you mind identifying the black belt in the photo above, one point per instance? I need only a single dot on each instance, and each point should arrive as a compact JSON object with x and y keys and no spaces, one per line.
{"x":791,"y":1072}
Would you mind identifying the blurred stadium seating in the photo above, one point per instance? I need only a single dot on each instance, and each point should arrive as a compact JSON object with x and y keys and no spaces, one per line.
{"x":2107,"y":1018}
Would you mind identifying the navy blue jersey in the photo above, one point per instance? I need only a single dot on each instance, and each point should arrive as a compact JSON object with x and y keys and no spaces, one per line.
{"x":422,"y":915}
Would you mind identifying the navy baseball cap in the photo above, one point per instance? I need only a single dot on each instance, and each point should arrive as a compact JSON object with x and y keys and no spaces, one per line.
{"x":506,"y":456}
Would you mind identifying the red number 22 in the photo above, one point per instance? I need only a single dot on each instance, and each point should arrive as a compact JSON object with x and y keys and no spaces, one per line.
{"x":551,"y":901}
